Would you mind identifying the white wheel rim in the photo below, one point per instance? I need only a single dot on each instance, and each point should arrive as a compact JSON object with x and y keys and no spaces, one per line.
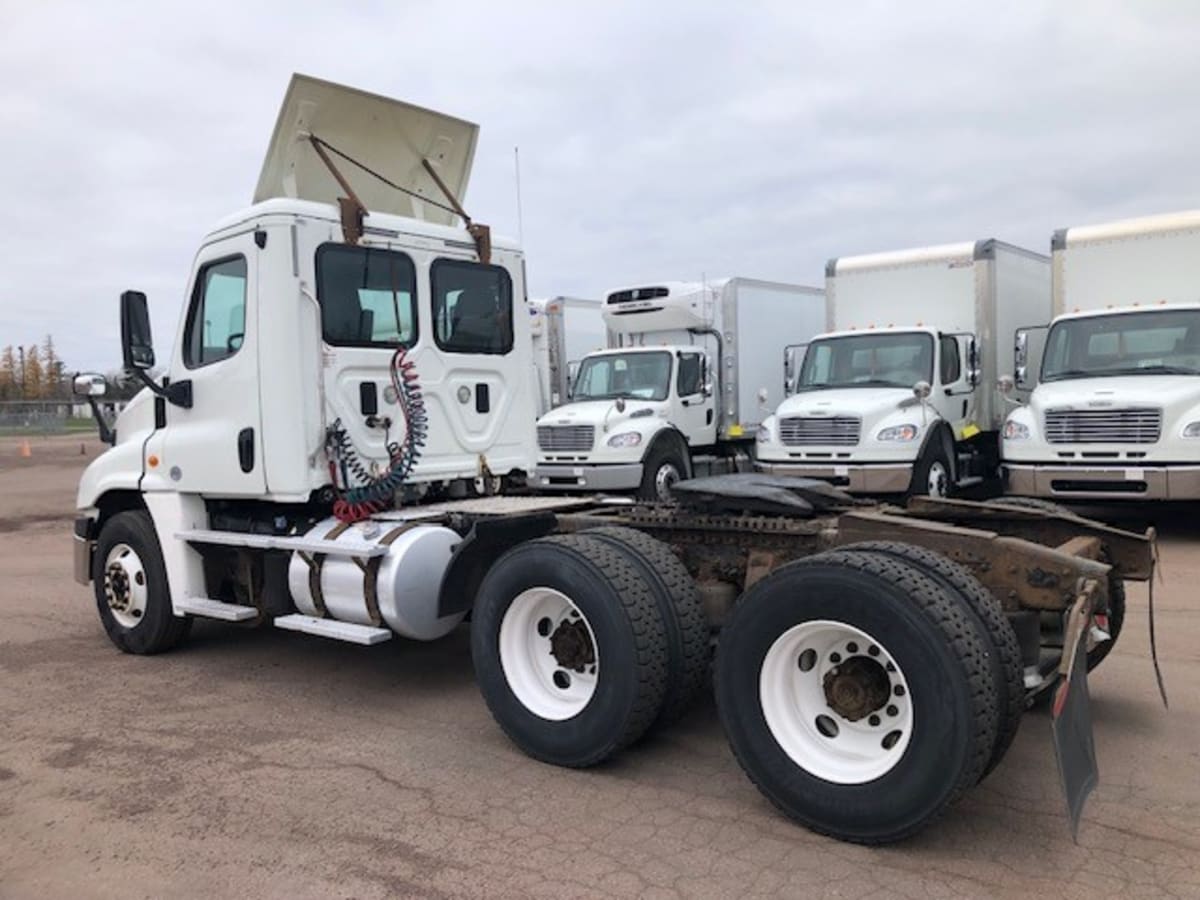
{"x":125,"y":585}
{"x":544,"y":685}
{"x":792,"y":692}
{"x":939,"y":477}
{"x":664,"y":479}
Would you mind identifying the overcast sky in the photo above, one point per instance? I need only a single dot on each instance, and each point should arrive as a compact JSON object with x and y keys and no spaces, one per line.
{"x":657,"y":140}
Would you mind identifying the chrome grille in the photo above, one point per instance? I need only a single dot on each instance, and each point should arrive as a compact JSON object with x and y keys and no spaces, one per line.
{"x":566,"y":438}
{"x":1103,"y":426}
{"x":822,"y":431}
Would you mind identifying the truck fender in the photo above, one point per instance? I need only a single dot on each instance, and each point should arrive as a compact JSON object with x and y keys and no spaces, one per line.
{"x":483,"y":544}
{"x":941,"y":432}
{"x":672,"y":437}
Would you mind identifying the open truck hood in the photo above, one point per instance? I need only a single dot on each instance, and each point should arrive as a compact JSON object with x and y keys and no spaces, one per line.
{"x":385,"y":135}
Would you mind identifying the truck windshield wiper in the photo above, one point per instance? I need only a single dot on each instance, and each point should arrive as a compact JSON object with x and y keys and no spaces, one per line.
{"x":1073,"y":373}
{"x":1156,"y":370}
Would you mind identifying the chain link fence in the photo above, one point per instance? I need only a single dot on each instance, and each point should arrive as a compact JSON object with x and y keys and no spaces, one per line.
{"x":48,"y":416}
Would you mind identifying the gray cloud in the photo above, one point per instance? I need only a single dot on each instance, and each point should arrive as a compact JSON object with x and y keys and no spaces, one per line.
{"x":657,"y":140}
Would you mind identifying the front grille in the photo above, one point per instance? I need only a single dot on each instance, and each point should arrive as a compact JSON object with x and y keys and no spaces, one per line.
{"x":1103,"y":426}
{"x":564,"y":438}
{"x":831,"y":431}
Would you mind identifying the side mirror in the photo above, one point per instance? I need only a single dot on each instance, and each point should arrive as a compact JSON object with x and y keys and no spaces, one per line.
{"x":137,"y":344}
{"x":921,"y":390}
{"x":706,"y":382}
{"x":974,"y":363}
{"x":89,"y":384}
{"x":1021,"y":357}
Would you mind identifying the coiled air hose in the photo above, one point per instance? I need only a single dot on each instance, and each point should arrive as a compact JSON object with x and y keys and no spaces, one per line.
{"x":371,"y":494}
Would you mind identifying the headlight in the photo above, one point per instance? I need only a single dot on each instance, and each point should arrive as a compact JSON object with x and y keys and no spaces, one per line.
{"x":1015,"y":431}
{"x":764,"y":434}
{"x":898,"y":433}
{"x":625,"y":439}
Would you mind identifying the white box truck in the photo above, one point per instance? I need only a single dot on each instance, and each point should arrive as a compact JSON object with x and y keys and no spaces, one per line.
{"x":564,"y":329}
{"x":900,"y":395}
{"x":692,"y":371}
{"x":1116,"y":409}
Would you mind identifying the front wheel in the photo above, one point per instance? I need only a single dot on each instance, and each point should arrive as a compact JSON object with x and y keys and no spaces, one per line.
{"x":664,"y":467}
{"x":931,"y":475}
{"x":130,"y":583}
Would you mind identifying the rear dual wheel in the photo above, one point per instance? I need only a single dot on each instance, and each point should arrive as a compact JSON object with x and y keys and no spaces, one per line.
{"x":582,"y":642}
{"x":858,"y":694}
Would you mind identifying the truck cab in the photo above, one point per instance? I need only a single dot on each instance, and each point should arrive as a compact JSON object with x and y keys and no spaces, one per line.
{"x":332,"y":357}
{"x":1116,"y":413}
{"x":869,"y":406}
{"x":632,"y":417}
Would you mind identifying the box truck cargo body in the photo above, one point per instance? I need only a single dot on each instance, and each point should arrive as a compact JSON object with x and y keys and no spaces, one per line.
{"x":564,"y":329}
{"x":900,"y":394}
{"x":691,"y":371}
{"x":1116,"y":410}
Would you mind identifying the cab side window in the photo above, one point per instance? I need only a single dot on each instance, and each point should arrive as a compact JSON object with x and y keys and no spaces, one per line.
{"x":951,"y":367}
{"x":217,"y":319}
{"x":472,"y":307}
{"x":687,"y":382}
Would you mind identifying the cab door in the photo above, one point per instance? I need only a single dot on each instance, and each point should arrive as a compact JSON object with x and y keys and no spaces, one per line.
{"x":957,"y":377}
{"x":215,"y":446}
{"x":694,"y":408}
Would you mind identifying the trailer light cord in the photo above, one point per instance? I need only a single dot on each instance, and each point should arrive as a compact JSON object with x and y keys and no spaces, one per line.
{"x":370,"y":494}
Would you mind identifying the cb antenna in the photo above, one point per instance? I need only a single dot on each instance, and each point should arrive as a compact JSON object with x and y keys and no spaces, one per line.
{"x":520,"y":218}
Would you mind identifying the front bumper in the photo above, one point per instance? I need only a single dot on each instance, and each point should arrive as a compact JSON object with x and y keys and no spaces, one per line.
{"x":1103,"y":482}
{"x":886,"y":478}
{"x":85,"y":547}
{"x":568,"y":477}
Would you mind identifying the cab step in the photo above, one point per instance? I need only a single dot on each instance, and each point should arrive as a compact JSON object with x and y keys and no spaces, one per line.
{"x":332,"y":628}
{"x":215,"y":609}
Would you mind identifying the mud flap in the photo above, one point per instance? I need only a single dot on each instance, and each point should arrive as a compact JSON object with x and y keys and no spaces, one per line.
{"x":1071,"y":726}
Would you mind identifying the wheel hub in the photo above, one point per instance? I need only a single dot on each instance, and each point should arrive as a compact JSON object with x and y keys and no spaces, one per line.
{"x":857,"y":688}
{"x":116,"y":584}
{"x":571,"y":645}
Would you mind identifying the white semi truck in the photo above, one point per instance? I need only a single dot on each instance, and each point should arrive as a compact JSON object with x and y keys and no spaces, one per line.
{"x":900,"y":395}
{"x":564,"y":329}
{"x":1115,"y":413}
{"x":340,"y":366}
{"x":691,"y":371}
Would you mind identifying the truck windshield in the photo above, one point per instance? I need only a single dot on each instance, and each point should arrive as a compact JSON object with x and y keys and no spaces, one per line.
{"x":644,"y":376}
{"x":1158,"y":342}
{"x":867,"y":360}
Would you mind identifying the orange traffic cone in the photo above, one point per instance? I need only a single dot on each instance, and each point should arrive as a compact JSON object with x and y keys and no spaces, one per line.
{"x":26,"y":450}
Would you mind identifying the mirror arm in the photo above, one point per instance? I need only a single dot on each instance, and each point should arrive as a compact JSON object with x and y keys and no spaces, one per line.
{"x":107,"y":435}
{"x":178,"y":393}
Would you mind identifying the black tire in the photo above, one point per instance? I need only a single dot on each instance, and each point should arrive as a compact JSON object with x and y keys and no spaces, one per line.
{"x":937,"y":646}
{"x":1007,"y":665}
{"x":623,"y":615}
{"x":683,"y":615}
{"x":663,"y":459}
{"x":933,"y":457}
{"x":158,"y":629}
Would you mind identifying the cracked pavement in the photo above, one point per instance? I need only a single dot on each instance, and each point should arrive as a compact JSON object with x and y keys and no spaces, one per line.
{"x":258,"y":762}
